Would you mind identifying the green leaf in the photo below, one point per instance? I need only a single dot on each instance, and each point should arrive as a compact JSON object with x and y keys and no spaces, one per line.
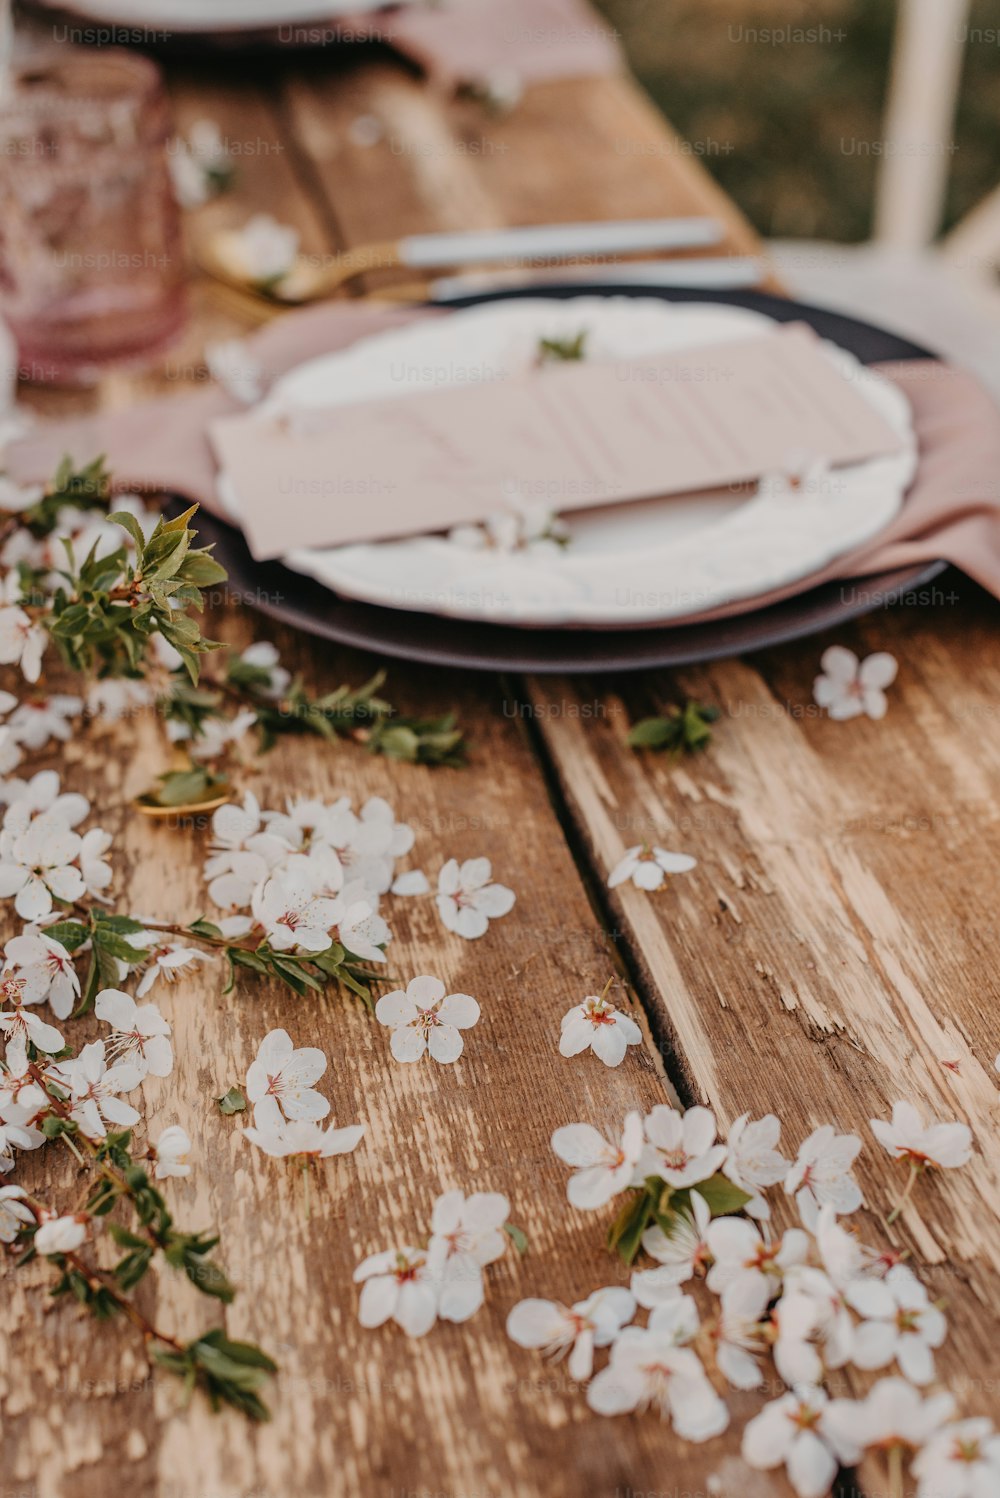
{"x":683,"y":730}
{"x":129,"y":523}
{"x":207,"y":1277}
{"x":517,"y":1236}
{"x":722,"y":1197}
{"x":652,"y":733}
{"x":232,"y":1102}
{"x":562,"y":350}
{"x":69,"y":934}
{"x":245,"y":1353}
{"x":625,"y":1232}
{"x":186,"y":788}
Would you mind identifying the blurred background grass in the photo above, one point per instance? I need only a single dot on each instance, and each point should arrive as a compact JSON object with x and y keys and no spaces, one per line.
{"x":788,"y":128}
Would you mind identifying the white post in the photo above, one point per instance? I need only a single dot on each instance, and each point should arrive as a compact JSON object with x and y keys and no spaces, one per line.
{"x":927,"y":67}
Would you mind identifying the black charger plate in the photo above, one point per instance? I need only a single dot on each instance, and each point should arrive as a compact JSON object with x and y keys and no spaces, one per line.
{"x":299,"y":601}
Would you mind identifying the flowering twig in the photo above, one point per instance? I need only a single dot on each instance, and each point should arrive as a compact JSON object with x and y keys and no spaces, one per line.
{"x":228,"y":1372}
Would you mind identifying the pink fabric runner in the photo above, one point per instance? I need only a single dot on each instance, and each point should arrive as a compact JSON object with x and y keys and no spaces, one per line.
{"x":952,"y":511}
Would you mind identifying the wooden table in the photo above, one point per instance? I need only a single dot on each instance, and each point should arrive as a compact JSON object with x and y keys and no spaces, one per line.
{"x":835,"y":948}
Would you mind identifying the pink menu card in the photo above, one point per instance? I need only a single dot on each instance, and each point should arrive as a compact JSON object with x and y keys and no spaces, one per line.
{"x":570,"y":436}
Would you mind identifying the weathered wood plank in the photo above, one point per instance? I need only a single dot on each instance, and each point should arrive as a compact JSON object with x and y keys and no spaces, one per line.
{"x":834,"y":947}
{"x":462,"y":1411}
{"x":580,"y":149}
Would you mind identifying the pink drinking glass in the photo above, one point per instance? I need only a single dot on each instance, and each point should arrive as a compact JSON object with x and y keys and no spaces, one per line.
{"x":91,"y":273}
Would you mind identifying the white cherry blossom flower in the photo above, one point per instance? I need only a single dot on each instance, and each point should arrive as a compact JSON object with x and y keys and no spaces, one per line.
{"x":21,"y":642}
{"x":21,"y":1098}
{"x":398,"y":1285}
{"x":14,"y":1215}
{"x":357,"y":926}
{"x":234,"y":828}
{"x":798,"y":1432}
{"x":821,"y":1174}
{"x":603,"y":1168}
{"x":39,"y":863}
{"x":215,"y":735}
{"x":466,"y":899}
{"x":740,"y":1251}
{"x":242,"y":854}
{"x":598,"y":1026}
{"x":681,"y":1147}
{"x":43,"y":793}
{"x":814,"y":1328}
{"x":466,"y":1234}
{"x":15,"y":1135}
{"x":648,"y":866}
{"x":118,"y":697}
{"x":578,"y":1329}
{"x":411,"y":882}
{"x":676,"y":1319}
{"x":39,"y":719}
{"x":95,"y":869}
{"x":45,"y":970}
{"x":262,"y":251}
{"x":20,"y":1028}
{"x":903,"y":1325}
{"x":845,"y":1258}
{"x":139,"y":1033}
{"x":191,"y":184}
{"x":95,"y":1087}
{"x":323,"y":868}
{"x":263,"y":657}
{"x":738,"y":1334}
{"x":524,"y":527}
{"x":299,"y":1138}
{"x":849,"y":688}
{"x":960,"y":1461}
{"x":167,"y":959}
{"x":301,"y":819}
{"x":424,"y":1018}
{"x":892,"y":1414}
{"x":10,"y":752}
{"x":232,"y":365}
{"x":753,"y":1161}
{"x":170,"y":1153}
{"x":681,"y":1255}
{"x":16,"y":497}
{"x":648,"y":1368}
{"x":61,"y":1235}
{"x":287,"y":1074}
{"x":367,"y":844}
{"x":292,"y":916}
{"x":945,"y":1146}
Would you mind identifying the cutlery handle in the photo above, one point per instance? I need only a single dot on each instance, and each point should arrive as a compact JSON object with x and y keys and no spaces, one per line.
{"x":725,"y":273}
{"x":558,"y":241}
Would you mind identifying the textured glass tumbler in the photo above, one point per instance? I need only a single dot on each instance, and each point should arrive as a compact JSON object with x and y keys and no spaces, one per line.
{"x":91,"y":273}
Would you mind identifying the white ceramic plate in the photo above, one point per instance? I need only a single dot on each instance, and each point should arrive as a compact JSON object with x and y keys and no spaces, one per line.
{"x":628,"y":565}
{"x":217,"y":15}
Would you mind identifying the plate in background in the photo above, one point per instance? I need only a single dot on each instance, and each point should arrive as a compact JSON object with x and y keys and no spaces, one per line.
{"x":279,"y":593}
{"x":626,"y":566}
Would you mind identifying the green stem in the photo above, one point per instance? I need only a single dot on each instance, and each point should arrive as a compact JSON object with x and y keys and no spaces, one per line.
{"x":896,"y":1471}
{"x":907,"y":1191}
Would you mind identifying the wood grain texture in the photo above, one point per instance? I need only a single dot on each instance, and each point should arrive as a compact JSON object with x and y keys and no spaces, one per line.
{"x":835,"y":946}
{"x":463,"y":1413}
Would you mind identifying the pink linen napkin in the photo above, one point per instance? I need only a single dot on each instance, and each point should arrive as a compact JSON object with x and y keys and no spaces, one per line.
{"x":952,"y":512}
